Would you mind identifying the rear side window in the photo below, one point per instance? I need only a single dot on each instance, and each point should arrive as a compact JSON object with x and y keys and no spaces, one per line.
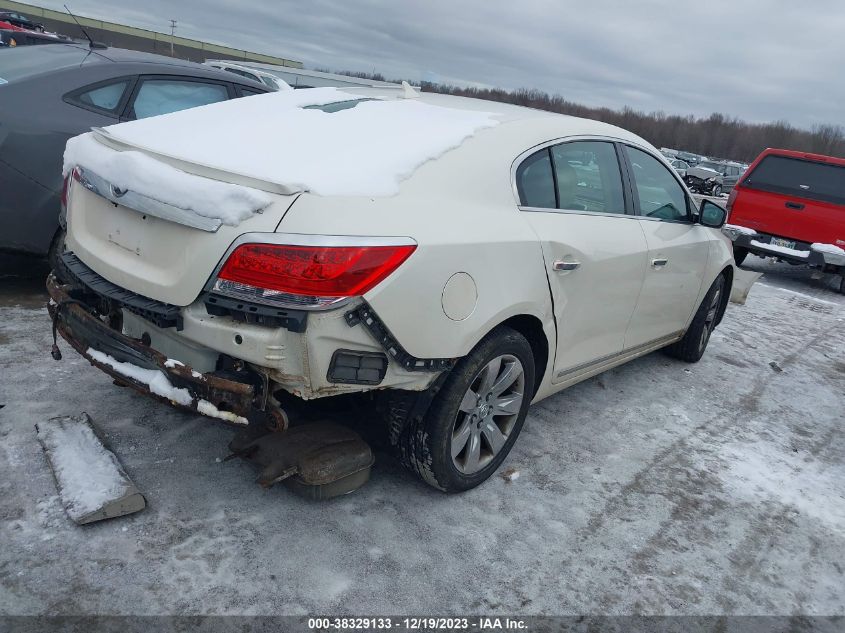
{"x":535,"y":182}
{"x":162,"y":96}
{"x":588,"y":177}
{"x":799,"y":178}
{"x":103,"y":97}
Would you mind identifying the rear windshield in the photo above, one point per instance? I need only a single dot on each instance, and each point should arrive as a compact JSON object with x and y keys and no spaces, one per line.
{"x":799,"y":178}
{"x":24,"y":61}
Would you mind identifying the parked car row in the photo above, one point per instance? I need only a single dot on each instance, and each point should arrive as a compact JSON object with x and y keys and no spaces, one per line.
{"x":20,"y":37}
{"x":20,"y":21}
{"x":51,"y":93}
{"x":713,"y":178}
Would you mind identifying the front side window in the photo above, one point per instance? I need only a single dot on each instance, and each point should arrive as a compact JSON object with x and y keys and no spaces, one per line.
{"x":162,"y":96}
{"x":659,"y":193}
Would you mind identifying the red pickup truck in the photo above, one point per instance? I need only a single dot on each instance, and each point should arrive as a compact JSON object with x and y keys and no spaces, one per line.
{"x":791,"y":206}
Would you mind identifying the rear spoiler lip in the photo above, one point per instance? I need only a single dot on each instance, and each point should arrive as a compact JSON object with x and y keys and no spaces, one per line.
{"x":197,"y":169}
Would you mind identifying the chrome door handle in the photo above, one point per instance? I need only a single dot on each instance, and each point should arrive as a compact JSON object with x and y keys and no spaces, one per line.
{"x":561,"y":265}
{"x":659,"y":263}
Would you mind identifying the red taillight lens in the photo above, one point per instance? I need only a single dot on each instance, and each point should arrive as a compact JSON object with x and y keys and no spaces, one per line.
{"x":316,"y":271}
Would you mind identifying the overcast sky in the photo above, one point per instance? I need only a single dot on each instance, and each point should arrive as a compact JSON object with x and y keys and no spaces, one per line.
{"x":760,"y":60}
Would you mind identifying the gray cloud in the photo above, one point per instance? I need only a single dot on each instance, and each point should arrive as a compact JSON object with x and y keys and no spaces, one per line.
{"x":760,"y":60}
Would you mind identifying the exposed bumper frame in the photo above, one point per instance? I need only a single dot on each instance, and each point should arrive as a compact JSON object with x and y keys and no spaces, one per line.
{"x":83,"y":331}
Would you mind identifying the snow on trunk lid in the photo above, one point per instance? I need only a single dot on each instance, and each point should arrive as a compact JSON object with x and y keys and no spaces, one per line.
{"x":137,"y":173}
{"x":298,"y":142}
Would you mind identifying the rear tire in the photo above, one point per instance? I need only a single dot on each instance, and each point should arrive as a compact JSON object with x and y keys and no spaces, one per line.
{"x":691,"y":347}
{"x":740,"y":254}
{"x":474,"y":420}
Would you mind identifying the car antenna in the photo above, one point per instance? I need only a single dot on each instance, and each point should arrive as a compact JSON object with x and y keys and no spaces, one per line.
{"x":91,"y":43}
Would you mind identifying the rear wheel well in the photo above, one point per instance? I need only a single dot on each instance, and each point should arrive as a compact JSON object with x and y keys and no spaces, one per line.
{"x":532,"y":329}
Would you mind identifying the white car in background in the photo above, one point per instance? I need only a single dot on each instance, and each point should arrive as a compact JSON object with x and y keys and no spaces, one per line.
{"x":460,"y":258}
{"x":269,"y":80}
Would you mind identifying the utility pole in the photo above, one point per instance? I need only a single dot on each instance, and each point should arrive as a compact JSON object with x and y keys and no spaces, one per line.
{"x":172,"y":34}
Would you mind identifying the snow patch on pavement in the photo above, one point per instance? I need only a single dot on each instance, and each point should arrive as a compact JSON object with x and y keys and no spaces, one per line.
{"x":89,"y":475}
{"x":799,"y":294}
{"x":143,"y":174}
{"x":759,"y":470}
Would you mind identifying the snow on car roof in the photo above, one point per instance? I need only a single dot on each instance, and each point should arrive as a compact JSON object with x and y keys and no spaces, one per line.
{"x":287,"y":139}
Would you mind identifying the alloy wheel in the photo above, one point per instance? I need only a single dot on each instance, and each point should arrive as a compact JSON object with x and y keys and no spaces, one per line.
{"x":487,"y":413}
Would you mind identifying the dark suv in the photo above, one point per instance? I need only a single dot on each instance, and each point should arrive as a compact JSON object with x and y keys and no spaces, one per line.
{"x":51,"y":93}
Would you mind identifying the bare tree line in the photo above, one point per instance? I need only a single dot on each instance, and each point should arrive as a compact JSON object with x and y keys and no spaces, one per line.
{"x":717,"y":135}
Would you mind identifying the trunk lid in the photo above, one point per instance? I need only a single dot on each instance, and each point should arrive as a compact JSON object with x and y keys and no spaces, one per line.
{"x":137,"y":248}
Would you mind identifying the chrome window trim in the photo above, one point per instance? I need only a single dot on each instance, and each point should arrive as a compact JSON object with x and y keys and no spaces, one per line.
{"x":558,"y":141}
{"x":693,"y":208}
{"x":303,"y":239}
{"x":580,"y":212}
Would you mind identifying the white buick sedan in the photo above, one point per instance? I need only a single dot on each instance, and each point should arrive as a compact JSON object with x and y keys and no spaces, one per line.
{"x":460,"y":258}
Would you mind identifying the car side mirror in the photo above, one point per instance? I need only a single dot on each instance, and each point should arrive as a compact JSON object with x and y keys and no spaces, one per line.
{"x":712,"y":215}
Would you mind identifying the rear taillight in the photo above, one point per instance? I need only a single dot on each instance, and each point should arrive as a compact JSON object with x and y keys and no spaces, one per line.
{"x":307,"y":276}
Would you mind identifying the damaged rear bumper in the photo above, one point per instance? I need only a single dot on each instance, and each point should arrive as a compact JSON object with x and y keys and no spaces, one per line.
{"x":131,"y":362}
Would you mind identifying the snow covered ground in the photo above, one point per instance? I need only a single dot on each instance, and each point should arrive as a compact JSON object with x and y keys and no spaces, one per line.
{"x":655,"y":488}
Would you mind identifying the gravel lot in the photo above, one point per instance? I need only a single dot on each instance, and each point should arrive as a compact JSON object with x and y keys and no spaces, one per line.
{"x":655,"y":488}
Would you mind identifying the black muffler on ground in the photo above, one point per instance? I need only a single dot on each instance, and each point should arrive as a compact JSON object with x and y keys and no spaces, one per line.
{"x":319,"y":460}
